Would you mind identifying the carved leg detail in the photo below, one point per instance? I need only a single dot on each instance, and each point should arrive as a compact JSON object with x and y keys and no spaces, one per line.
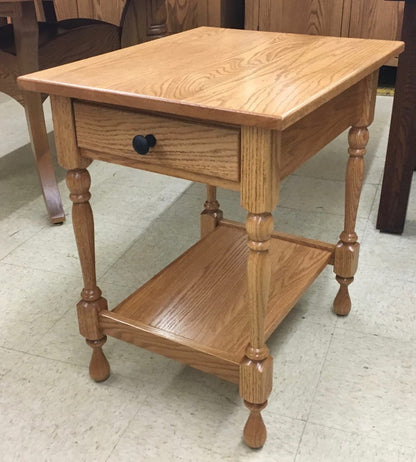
{"x":342,"y":302}
{"x":347,"y":249}
{"x":211,"y":214}
{"x":99,"y":367}
{"x":256,"y":370}
{"x":255,"y":432}
{"x":91,"y":303}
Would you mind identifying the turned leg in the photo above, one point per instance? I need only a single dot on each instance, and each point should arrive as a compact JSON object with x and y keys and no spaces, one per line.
{"x":347,"y":249}
{"x":211,"y":214}
{"x":256,"y":373}
{"x":91,"y":303}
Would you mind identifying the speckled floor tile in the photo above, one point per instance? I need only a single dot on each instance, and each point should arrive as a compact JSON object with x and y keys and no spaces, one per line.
{"x":67,"y":417}
{"x":367,"y":386}
{"x":314,"y":225}
{"x":311,"y":194}
{"x":299,"y":347}
{"x":323,"y":444}
{"x":60,"y":254}
{"x":31,"y":302}
{"x":9,"y":360}
{"x":389,"y":313}
{"x":20,"y":225}
{"x":159,"y":243}
{"x":203,"y":427}
{"x":392,"y":253}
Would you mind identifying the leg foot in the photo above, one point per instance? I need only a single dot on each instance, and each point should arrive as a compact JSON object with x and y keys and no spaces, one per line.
{"x":255,"y":432}
{"x":99,"y":366}
{"x":342,"y":302}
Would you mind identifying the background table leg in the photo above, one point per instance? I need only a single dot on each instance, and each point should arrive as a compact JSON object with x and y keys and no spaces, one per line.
{"x":211,"y":214}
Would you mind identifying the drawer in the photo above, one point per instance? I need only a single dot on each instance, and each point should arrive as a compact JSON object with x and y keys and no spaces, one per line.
{"x":196,"y":151}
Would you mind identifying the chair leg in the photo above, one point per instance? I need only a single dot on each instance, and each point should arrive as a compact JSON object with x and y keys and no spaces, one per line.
{"x":43,"y":159}
{"x":25,"y":28}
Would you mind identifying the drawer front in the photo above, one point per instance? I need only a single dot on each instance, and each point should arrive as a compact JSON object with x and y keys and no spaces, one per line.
{"x":190,"y":150}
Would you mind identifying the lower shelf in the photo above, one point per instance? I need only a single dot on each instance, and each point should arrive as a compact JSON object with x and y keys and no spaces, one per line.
{"x":194,"y":310}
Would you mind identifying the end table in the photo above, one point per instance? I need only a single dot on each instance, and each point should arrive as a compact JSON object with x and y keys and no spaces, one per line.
{"x":230,"y":108}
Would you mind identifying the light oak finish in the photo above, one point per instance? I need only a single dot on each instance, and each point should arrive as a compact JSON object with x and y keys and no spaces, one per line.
{"x":205,"y":309}
{"x":181,"y":146}
{"x":263,"y":103}
{"x":280,"y":76}
{"x":346,"y":252}
{"x":309,"y":135}
{"x":91,"y":303}
{"x":69,"y":155}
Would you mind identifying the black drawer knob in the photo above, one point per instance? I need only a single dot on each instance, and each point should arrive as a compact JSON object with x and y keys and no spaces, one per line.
{"x":142,"y":144}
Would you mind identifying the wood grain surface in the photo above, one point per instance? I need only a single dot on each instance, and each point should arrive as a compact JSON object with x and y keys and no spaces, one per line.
{"x":378,"y":19}
{"x":105,"y":10}
{"x":265,"y":79}
{"x":200,"y":297}
{"x":315,"y":17}
{"x":189,"y":147}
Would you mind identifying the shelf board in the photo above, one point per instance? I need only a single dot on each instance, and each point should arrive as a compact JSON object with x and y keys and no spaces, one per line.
{"x":194,"y":310}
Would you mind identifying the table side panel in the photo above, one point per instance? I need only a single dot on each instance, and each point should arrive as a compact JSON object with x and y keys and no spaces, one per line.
{"x":309,"y":135}
{"x":170,"y":345}
{"x":181,"y":146}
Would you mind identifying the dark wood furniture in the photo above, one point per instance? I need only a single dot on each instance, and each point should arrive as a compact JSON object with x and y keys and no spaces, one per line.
{"x":231,"y":108}
{"x":401,"y":150}
{"x":27,"y":46}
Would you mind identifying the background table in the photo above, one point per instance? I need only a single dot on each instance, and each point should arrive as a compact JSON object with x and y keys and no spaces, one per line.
{"x":25,"y":27}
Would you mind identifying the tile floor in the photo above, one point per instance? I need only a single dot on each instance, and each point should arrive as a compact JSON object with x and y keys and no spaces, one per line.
{"x":345,"y":388}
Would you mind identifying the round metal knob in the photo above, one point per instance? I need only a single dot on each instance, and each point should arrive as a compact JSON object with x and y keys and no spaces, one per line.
{"x":142,"y":144}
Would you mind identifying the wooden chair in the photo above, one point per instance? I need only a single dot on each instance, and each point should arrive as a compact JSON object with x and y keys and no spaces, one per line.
{"x":61,"y":42}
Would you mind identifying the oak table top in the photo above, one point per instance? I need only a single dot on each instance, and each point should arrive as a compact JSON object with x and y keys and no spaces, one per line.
{"x":265,"y":79}
{"x":229,"y":108}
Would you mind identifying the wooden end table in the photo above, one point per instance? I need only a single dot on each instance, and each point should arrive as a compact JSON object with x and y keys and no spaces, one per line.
{"x":228,"y":108}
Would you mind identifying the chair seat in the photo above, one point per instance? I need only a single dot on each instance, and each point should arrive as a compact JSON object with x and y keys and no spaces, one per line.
{"x":47,"y":31}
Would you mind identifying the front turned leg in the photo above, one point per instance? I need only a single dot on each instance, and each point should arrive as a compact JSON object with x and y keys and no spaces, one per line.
{"x":91,"y":303}
{"x":256,"y":370}
{"x":211,"y":214}
{"x":347,"y":249}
